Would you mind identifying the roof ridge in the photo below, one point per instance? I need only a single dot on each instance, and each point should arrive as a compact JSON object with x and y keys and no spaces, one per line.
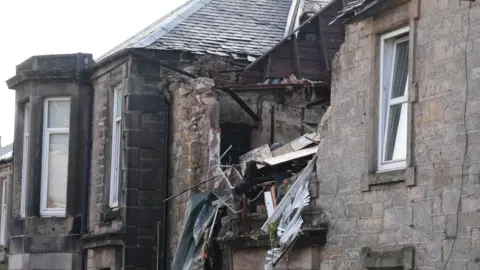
{"x":156,"y":29}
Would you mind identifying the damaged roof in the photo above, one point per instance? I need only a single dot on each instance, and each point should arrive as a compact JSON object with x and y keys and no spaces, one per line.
{"x":6,"y":153}
{"x":361,"y":9}
{"x":220,"y":27}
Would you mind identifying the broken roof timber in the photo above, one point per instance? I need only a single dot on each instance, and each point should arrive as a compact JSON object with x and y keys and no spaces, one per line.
{"x":242,"y":104}
{"x":259,"y":87}
{"x":287,"y":37}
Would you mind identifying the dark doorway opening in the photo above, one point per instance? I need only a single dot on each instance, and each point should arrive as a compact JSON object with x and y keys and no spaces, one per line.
{"x":238,"y":136}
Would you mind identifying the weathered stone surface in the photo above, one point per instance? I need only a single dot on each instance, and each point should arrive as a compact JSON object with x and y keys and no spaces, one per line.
{"x":426,"y":214}
{"x":358,"y":210}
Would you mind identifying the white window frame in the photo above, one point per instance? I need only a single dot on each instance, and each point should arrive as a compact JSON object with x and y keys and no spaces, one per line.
{"x":44,"y":210}
{"x":3,"y":217}
{"x":25,"y":156}
{"x":116,"y":145}
{"x":385,"y":102}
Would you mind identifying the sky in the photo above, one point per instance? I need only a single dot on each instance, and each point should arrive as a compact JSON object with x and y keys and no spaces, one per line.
{"x":32,"y":27}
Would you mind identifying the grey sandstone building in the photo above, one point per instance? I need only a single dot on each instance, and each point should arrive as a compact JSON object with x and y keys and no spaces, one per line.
{"x":100,"y":145}
{"x":6,"y":154}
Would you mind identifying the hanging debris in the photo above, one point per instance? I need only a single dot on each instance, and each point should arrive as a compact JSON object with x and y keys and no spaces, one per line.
{"x":286,"y":219}
{"x":276,"y":181}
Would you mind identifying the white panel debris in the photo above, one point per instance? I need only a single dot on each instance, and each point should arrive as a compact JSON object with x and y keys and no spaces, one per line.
{"x":269,"y":202}
{"x":257,"y":154}
{"x":291,"y":156}
{"x":287,"y":216}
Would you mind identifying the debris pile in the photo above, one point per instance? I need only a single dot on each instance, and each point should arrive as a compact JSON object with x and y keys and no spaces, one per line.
{"x":270,"y":184}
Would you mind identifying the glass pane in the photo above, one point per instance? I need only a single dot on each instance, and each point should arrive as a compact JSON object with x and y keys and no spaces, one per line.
{"x":396,"y":144}
{"x":58,"y":113}
{"x":57,"y":171}
{"x":118,"y":102}
{"x":400,"y":70}
{"x":115,"y":183}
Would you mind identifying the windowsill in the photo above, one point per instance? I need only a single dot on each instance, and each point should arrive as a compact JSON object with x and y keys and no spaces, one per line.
{"x":384,"y":177}
{"x":111,"y":214}
{"x":53,"y":215}
{"x":381,"y":171}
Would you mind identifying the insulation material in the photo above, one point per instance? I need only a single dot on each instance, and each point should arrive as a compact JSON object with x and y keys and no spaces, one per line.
{"x":224,"y":185}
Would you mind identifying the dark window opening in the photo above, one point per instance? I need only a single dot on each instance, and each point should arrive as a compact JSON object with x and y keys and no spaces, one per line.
{"x":307,"y":36}
{"x":237,"y":136}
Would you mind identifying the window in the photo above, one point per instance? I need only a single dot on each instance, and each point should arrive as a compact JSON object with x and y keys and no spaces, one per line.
{"x":396,"y":258}
{"x":25,"y":153}
{"x":392,"y":143}
{"x":56,"y":123}
{"x":115,"y":170}
{"x":4,"y":212}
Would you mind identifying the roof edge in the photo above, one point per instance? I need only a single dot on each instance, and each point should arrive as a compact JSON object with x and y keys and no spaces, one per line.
{"x":189,"y":9}
{"x":155,"y":30}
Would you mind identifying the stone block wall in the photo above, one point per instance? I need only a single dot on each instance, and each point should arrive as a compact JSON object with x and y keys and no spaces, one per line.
{"x":103,"y":82}
{"x":195,"y":133}
{"x":37,"y":241}
{"x":126,"y":237}
{"x":197,"y":112}
{"x":438,"y":212}
{"x":5,"y":175}
{"x":299,"y":258}
{"x":287,"y":114}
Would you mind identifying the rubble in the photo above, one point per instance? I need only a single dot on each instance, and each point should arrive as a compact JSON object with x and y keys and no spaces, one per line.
{"x":274,"y":182}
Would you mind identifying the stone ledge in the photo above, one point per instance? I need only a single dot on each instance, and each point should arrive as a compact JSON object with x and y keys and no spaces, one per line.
{"x":44,"y":244}
{"x":102,"y":240}
{"x":381,"y":178}
{"x":48,"y":75}
{"x":309,"y":236}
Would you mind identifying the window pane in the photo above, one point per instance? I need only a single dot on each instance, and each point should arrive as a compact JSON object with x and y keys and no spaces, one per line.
{"x":25,"y":151}
{"x":396,"y":144}
{"x":118,"y":102}
{"x":58,"y":113}
{"x":115,"y":171}
{"x":400,"y":70}
{"x":57,"y":171}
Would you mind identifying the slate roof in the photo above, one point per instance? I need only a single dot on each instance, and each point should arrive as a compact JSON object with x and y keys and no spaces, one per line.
{"x":221,"y":27}
{"x":6,"y":153}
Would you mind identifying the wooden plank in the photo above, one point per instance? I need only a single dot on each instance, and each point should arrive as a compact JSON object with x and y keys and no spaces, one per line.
{"x":269,"y":203}
{"x":296,"y":59}
{"x":322,"y":45}
{"x":291,"y":156}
